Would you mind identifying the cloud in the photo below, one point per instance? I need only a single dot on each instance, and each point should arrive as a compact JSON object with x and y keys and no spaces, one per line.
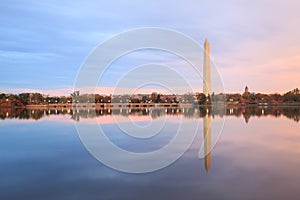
{"x":245,"y":36}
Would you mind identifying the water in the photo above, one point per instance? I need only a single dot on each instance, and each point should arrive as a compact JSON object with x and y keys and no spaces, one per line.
{"x":256,"y":157}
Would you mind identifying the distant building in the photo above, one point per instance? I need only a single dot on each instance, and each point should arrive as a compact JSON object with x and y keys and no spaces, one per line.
{"x":246,"y":89}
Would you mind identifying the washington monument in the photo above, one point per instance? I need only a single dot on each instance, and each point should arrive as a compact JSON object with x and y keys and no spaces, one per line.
{"x":206,"y":70}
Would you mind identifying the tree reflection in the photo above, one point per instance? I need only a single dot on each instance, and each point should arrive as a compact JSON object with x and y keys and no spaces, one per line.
{"x":247,"y":113}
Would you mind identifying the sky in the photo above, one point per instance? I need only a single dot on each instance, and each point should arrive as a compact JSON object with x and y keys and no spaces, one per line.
{"x":43,"y":44}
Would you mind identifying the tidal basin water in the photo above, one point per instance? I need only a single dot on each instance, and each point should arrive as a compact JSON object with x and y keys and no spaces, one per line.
{"x":256,"y":157}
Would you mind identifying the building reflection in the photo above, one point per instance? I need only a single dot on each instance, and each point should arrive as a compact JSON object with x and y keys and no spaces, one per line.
{"x":247,"y":113}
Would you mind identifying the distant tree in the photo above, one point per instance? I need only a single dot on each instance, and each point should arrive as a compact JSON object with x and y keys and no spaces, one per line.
{"x":153,"y":96}
{"x":24,"y":98}
{"x":212,"y":97}
{"x":220,"y":97}
{"x":75,"y":96}
{"x":188,"y":98}
{"x":145,"y":99}
{"x":107,"y":99}
{"x":292,"y":96}
{"x":276,"y":98}
{"x":233,"y":97}
{"x":158,"y":99}
{"x":99,"y":98}
{"x":246,"y":97}
{"x":2,"y":96}
{"x":63,"y":99}
{"x":37,"y":98}
{"x":201,"y":98}
{"x":135,"y":100}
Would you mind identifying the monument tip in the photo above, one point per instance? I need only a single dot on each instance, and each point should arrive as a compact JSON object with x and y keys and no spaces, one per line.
{"x":206,"y":41}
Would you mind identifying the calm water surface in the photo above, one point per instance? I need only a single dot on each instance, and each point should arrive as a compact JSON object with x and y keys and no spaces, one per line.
{"x":256,"y":157}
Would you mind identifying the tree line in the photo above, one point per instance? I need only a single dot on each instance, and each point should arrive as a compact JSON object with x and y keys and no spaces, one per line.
{"x":23,"y":99}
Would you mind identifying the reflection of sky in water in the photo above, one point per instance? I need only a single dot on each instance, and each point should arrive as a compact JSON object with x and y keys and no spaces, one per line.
{"x":46,"y":160}
{"x":134,"y":144}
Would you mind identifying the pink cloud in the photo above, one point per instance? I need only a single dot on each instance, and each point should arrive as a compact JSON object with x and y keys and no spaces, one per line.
{"x":97,"y":90}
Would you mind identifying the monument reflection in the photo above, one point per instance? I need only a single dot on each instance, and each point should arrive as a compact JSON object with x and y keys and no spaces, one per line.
{"x":207,"y":141}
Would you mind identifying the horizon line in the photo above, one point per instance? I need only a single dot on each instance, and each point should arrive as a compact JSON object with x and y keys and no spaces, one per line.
{"x":110,"y":91}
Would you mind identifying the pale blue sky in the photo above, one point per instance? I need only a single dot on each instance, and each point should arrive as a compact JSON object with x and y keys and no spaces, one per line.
{"x":43,"y":43}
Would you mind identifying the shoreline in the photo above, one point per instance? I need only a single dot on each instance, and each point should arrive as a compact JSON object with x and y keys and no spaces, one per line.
{"x":141,"y":105}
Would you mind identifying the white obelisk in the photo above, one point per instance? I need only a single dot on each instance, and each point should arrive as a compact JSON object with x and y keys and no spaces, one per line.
{"x":206,"y":70}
